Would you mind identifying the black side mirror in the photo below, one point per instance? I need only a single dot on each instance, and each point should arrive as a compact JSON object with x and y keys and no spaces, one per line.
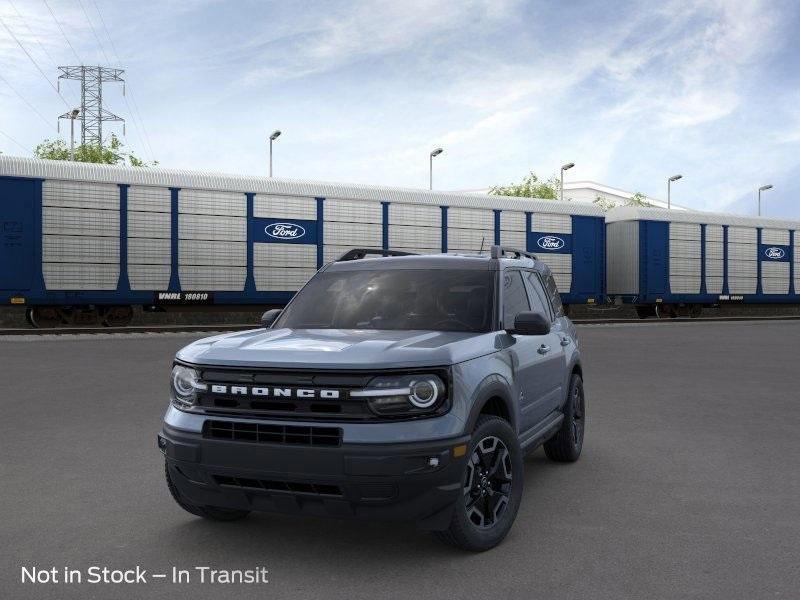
{"x":531,"y":323}
{"x":269,"y":317}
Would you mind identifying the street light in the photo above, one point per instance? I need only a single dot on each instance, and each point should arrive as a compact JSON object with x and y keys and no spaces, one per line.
{"x":565,"y":167}
{"x":435,"y":152}
{"x":669,"y":183}
{"x":274,"y":136}
{"x":763,"y":188}
{"x":72,"y":116}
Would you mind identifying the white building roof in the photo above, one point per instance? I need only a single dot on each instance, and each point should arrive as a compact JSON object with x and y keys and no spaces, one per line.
{"x":636,"y":213}
{"x":153,"y":176}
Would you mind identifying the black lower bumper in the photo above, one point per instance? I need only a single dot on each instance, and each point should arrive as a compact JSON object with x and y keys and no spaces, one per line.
{"x":405,"y":481}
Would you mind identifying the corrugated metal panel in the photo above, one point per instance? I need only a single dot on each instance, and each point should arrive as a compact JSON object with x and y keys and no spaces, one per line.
{"x":205,"y":202}
{"x":775,"y":276}
{"x":775,"y":236}
{"x":80,"y":249}
{"x":684,"y":231}
{"x":742,"y":235}
{"x":633,"y":213}
{"x":148,"y":277}
{"x":622,"y":258}
{"x":211,"y":279}
{"x":284,"y":207}
{"x":684,"y":248}
{"x":561,"y":266}
{"x":76,"y":194}
{"x":469,"y":239}
{"x":149,"y":199}
{"x":149,"y":225}
{"x":285,"y":255}
{"x":714,"y":233}
{"x":684,"y":266}
{"x":49,"y":169}
{"x":207,"y":227}
{"x":742,"y":252}
{"x":512,"y":220}
{"x":77,"y":221}
{"x":684,"y":284}
{"x":714,"y":284}
{"x":358,"y":235}
{"x":469,"y":218}
{"x":352,"y":211}
{"x":796,"y":252}
{"x":145,"y":251}
{"x":409,"y":236}
{"x":208,"y":253}
{"x":742,"y":268}
{"x":80,"y":276}
{"x":418,"y":250}
{"x":515,"y":239}
{"x":551,"y":223}
{"x":281,"y":280}
{"x":742,"y":285}
{"x":415,"y":214}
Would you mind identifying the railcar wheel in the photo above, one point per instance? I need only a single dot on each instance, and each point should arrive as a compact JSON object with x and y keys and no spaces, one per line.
{"x":644,"y":311}
{"x":44,"y":317}
{"x":665,"y":311}
{"x":117,"y":316}
{"x":696,"y":311}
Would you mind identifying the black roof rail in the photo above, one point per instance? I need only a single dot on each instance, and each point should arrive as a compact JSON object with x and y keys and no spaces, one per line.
{"x":508,"y":252}
{"x":359,"y":253}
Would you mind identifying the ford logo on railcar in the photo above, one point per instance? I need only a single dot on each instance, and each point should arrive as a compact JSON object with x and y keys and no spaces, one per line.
{"x":775,"y":253}
{"x":285,"y":231}
{"x":550,"y":242}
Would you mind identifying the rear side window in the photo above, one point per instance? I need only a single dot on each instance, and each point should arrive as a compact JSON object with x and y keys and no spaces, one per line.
{"x":515,"y":298}
{"x":552,"y":293}
{"x":539,"y":300}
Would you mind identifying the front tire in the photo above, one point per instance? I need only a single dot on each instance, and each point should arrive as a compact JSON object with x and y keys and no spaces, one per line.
{"x":213,"y":513}
{"x":567,"y":443}
{"x":491,"y":490}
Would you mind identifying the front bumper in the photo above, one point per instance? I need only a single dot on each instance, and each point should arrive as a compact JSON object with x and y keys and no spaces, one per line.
{"x":369,"y":481}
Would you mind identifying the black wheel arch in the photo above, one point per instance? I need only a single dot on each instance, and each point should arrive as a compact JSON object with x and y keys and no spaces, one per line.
{"x":494,"y":397}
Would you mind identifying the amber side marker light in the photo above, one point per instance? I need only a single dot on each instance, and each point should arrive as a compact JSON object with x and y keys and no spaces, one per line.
{"x":460,"y":451}
{"x":17,"y":300}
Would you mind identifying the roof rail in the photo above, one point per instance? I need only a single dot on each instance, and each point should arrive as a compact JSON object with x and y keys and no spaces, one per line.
{"x":359,"y":253}
{"x":508,"y":252}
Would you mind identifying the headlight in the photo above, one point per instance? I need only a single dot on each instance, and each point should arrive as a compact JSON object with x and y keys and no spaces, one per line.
{"x":185,"y":385}
{"x":404,"y":395}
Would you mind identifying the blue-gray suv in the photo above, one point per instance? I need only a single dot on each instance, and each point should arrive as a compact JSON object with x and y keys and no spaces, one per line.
{"x":392,"y":386}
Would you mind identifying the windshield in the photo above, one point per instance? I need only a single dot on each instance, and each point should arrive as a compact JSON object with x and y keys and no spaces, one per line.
{"x":435,"y":300}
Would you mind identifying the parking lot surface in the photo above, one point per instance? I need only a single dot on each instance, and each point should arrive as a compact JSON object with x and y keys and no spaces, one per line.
{"x":687,"y":487}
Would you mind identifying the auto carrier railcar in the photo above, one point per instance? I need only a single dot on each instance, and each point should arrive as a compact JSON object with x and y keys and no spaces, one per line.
{"x":82,"y":242}
{"x":671,"y":263}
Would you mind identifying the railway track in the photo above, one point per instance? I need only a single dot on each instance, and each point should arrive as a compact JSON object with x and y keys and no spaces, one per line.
{"x":243,"y":326}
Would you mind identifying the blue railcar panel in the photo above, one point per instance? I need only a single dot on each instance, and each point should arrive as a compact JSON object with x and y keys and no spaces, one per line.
{"x":283,"y":231}
{"x":653,"y":260}
{"x":587,"y":245}
{"x":775,"y":252}
{"x":561,"y":243}
{"x":18,"y":233}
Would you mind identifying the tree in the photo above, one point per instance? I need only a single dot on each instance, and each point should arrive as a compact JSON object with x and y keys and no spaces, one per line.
{"x":638,"y":199}
{"x":111,"y":154}
{"x":531,"y":187}
{"x":606,"y":203}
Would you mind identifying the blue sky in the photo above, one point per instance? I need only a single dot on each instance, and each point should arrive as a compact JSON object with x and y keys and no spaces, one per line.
{"x":632,"y":92}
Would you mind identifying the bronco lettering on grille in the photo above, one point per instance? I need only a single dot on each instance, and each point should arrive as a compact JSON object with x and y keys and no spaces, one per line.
{"x":275,"y":392}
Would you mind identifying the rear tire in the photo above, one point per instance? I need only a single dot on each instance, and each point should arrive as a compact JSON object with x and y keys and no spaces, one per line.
{"x":567,"y":443}
{"x":492,"y":488}
{"x":207,"y":512}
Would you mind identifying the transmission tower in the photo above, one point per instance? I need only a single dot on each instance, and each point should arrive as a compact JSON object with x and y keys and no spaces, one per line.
{"x":92,"y":113}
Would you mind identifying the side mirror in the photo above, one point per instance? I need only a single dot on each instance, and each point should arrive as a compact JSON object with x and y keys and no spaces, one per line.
{"x":269,"y":317}
{"x":531,"y":323}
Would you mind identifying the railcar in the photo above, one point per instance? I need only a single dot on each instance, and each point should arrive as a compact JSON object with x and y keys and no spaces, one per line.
{"x":674,"y":263}
{"x":85,"y":242}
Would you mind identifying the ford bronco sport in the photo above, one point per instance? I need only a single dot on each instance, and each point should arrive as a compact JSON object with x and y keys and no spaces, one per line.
{"x":393,"y":387}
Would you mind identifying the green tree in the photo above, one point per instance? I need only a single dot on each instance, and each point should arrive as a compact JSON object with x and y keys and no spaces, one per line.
{"x":605,"y":203}
{"x":110,"y":154}
{"x":530,"y":187}
{"x":638,"y":199}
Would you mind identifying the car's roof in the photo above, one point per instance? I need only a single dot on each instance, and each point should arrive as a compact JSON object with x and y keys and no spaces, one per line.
{"x":478,"y":262}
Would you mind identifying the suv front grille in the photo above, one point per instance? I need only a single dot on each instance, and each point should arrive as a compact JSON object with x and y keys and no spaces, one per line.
{"x":292,"y":487}
{"x":262,"y":433}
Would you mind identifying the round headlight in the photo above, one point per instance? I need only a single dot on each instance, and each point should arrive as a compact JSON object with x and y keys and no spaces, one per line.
{"x":424,"y":393}
{"x":185,"y":383}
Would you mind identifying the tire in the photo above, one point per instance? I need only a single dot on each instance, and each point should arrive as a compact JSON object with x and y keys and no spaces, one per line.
{"x":497,"y":496}
{"x":567,"y":443}
{"x":207,"y":512}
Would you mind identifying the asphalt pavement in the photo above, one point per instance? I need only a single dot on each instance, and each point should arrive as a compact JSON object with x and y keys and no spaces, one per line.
{"x":688,"y":485}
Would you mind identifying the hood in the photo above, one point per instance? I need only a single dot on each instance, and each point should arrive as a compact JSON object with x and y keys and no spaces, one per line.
{"x":339,"y":348}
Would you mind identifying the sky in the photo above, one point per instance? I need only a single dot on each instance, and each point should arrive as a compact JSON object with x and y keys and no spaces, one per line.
{"x":632,"y":92}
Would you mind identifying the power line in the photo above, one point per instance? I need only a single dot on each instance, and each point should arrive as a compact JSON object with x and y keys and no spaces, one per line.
{"x":33,"y":35}
{"x":66,"y":39}
{"x":97,"y":37}
{"x":135,"y":114}
{"x":28,"y":54}
{"x":15,"y":141}
{"x":21,"y":97}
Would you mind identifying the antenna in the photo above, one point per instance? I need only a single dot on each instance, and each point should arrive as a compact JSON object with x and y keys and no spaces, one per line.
{"x":483,"y":239}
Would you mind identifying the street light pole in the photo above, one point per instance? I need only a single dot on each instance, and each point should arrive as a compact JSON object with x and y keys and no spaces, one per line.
{"x":72,"y":116}
{"x":273,"y":136}
{"x":669,"y":190}
{"x":763,"y":188}
{"x":564,"y":168}
{"x":435,"y":152}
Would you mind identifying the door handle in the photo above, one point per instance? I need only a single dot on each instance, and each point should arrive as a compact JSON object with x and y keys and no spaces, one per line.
{"x":543,"y":349}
